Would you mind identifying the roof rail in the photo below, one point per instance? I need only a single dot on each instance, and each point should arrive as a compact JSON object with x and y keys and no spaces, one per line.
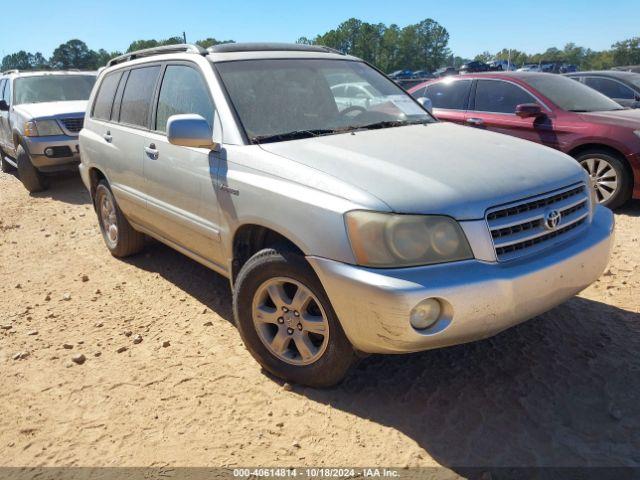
{"x":149,"y":52}
{"x":9,"y":72}
{"x":270,"y":47}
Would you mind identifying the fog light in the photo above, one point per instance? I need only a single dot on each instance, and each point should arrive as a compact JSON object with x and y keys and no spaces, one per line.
{"x":48,"y":152}
{"x":425,"y":314}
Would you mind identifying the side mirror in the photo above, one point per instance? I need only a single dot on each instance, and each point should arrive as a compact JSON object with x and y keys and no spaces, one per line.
{"x":3,"y":106}
{"x":529,"y":110}
{"x":190,"y":131}
{"x":427,"y":104}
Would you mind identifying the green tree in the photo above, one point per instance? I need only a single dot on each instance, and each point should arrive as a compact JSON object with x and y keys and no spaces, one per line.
{"x":74,"y":54}
{"x":485,"y":57}
{"x":103,"y":57}
{"x":210,"y":42}
{"x":627,"y":52}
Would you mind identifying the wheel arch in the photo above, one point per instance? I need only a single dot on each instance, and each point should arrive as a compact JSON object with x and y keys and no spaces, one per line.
{"x":95,"y":175}
{"x":586,"y":147}
{"x":250,"y":238}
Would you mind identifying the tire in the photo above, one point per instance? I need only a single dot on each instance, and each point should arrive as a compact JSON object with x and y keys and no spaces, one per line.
{"x":5,"y":166}
{"x":124,"y":240}
{"x":605,"y":168}
{"x":329,"y":355}
{"x":29,"y":175}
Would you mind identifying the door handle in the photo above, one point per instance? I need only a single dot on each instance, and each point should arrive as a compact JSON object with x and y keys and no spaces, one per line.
{"x":152,"y":152}
{"x":476,"y":122}
{"x":107,"y":137}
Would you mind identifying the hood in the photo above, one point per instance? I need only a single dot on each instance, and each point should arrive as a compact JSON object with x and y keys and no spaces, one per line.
{"x":53,"y":109}
{"x":620,"y":118}
{"x":440,"y":168}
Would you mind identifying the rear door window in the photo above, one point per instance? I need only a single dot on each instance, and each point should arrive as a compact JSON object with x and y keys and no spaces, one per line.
{"x":496,"y":96}
{"x":104,"y":100}
{"x":452,"y":95}
{"x":137,"y":96}
{"x":183,"y":91}
{"x":610,"y":88}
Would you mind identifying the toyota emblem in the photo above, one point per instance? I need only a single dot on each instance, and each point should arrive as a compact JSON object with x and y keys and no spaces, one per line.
{"x":552,"y":219}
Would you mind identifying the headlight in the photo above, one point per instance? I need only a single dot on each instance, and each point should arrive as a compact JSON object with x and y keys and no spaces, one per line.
{"x":388,"y":240}
{"x":42,"y":128}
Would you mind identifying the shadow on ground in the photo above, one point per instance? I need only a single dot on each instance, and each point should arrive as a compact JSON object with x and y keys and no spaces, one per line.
{"x":631,"y":209}
{"x":67,"y":188}
{"x":561,"y":390}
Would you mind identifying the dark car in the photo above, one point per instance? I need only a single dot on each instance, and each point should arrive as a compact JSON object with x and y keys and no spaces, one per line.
{"x":401,"y":75}
{"x":445,"y":72}
{"x":473,"y":67}
{"x":623,"y":87}
{"x":422,"y":74}
{"x":555,"y":111}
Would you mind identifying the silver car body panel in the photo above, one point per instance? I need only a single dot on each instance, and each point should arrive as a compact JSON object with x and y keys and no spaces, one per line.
{"x":196,"y":200}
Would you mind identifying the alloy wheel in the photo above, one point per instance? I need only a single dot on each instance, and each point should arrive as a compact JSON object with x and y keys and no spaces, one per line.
{"x":603,"y":176}
{"x":290,"y":321}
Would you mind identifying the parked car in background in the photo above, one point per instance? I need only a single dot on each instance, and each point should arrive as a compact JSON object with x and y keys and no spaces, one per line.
{"x":41,"y":114}
{"x":628,"y":68}
{"x":445,"y":72}
{"x":502,"y":65}
{"x":473,"y":67}
{"x":552,"y":110}
{"x":401,"y":75}
{"x":422,"y":75}
{"x":239,"y":157}
{"x":529,"y":67}
{"x":622,"y":87}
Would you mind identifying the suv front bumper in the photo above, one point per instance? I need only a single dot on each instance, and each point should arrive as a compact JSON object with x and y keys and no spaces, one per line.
{"x":66,"y":153}
{"x":481,"y":298}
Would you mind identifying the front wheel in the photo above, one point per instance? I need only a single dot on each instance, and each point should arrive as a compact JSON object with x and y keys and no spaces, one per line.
{"x":287,"y":322}
{"x":610,"y":176}
{"x":29,"y":175}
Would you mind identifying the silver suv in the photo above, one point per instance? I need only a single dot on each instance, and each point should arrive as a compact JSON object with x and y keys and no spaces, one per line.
{"x":41,"y":114}
{"x":345,"y":227}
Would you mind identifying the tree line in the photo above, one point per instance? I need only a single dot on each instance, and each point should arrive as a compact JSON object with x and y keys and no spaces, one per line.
{"x":75,"y":54}
{"x":423,"y":45}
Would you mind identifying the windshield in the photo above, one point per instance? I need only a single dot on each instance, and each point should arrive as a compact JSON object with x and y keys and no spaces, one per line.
{"x":296,"y":98}
{"x":53,"y":88}
{"x":571,"y":95}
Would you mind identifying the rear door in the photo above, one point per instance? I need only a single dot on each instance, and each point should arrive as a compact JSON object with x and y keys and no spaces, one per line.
{"x":493,"y":108}
{"x":181,"y":180}
{"x":449,"y":97}
{"x":615,"y":90}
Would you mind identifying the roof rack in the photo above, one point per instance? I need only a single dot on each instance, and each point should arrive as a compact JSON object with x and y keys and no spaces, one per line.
{"x":9,"y":72}
{"x":149,"y":52}
{"x":270,"y":47}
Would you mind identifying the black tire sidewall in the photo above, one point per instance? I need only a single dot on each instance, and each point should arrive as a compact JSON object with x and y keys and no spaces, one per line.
{"x":30,"y":177}
{"x":339,"y":354}
{"x":624,"y":176}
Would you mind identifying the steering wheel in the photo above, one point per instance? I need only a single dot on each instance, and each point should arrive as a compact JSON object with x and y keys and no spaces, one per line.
{"x":347,"y":112}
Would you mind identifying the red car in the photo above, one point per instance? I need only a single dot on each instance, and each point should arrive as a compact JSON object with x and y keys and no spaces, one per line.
{"x":555,"y":111}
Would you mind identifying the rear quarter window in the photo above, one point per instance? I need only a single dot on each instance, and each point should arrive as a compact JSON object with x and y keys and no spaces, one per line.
{"x":104,"y":100}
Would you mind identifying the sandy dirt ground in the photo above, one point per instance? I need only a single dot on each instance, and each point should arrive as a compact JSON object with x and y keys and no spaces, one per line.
{"x":560,"y":390}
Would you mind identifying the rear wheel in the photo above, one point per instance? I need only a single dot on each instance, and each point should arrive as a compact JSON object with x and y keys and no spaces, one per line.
{"x":610,"y":176}
{"x":287,"y":322}
{"x":118,"y":234}
{"x":29,"y":175}
{"x":5,"y":166}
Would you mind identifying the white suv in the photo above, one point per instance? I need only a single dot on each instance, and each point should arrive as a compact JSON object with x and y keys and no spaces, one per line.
{"x":374,"y":229}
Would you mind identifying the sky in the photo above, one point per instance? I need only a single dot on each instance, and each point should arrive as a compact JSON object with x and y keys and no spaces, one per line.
{"x":474,"y":26}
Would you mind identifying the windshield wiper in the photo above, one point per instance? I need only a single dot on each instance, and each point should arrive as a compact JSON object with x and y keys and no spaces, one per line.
{"x":294,"y":135}
{"x":392,"y":123}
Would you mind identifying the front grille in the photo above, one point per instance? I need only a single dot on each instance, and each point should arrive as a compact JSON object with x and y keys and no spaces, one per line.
{"x":520,"y":228}
{"x":73,"y":125}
